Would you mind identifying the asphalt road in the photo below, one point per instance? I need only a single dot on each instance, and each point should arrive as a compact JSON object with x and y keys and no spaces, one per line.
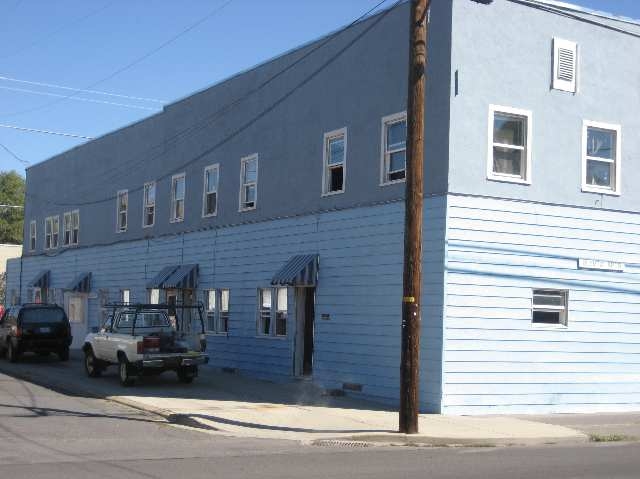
{"x":44,"y":434}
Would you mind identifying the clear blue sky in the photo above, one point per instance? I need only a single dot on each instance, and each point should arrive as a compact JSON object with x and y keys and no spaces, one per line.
{"x":78,"y":42}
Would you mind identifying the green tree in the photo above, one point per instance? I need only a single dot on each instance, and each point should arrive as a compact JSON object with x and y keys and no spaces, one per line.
{"x":11,"y":193}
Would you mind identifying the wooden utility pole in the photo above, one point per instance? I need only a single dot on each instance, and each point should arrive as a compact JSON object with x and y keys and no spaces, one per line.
{"x":412,"y":276}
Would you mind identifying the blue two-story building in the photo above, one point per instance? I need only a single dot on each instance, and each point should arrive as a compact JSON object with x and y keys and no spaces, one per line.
{"x":276,"y":197}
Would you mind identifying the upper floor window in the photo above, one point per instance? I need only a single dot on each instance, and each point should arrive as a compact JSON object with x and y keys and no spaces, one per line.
{"x":32,"y":236}
{"x":51,"y":232}
{"x":248,"y":182}
{"x":122,"y":209}
{"x":509,"y":145}
{"x":210,"y":191}
{"x":335,"y":159}
{"x":70,"y":228}
{"x":565,"y":65}
{"x":394,"y":147}
{"x":177,"y":197}
{"x":149,"y":204}
{"x":601,"y":158}
{"x":549,"y":307}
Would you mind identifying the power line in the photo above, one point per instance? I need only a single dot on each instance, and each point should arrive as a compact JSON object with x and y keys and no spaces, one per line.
{"x":94,"y":92}
{"x":130,"y":64}
{"x":6,"y":148}
{"x":46,"y":132}
{"x":88,"y":100}
{"x":56,"y":31}
{"x":210,"y":119}
{"x":253,"y":120}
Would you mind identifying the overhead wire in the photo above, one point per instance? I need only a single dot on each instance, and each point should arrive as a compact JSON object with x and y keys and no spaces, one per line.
{"x":253,"y":120}
{"x":46,"y":132}
{"x":13,"y":154}
{"x":116,"y":172}
{"x":129,"y":65}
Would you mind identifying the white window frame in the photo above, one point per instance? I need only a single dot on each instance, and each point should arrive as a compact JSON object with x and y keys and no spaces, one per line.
{"x":217,"y":313}
{"x":341,"y":132}
{"x":174,"y":201}
{"x":50,"y":221}
{"x":384,"y":163}
{"x":562,"y":324}
{"x":617,"y":161}
{"x":119,"y":228}
{"x":33,"y":236}
{"x":75,"y":214}
{"x":243,"y":162}
{"x":66,"y":216}
{"x":557,"y":83}
{"x":154,"y":296}
{"x":274,"y":310}
{"x":145,"y":205}
{"x":125,"y":295}
{"x":215,"y":167}
{"x":491,"y":175}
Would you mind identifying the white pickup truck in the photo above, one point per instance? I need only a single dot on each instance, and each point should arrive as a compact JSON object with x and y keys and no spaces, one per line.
{"x":146,"y":340}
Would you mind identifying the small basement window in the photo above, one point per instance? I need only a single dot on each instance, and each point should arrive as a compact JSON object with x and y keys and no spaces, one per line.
{"x":550,"y":307}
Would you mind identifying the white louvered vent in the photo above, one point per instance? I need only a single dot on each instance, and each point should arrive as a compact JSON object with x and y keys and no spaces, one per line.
{"x":564,"y":65}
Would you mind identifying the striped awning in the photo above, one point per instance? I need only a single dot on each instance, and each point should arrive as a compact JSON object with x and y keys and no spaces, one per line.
{"x":81,"y":283}
{"x":300,"y":270}
{"x":176,"y":277}
{"x":42,"y":280}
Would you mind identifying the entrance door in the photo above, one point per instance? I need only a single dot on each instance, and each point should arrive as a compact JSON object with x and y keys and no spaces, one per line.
{"x":76,"y":308}
{"x":305,"y":313}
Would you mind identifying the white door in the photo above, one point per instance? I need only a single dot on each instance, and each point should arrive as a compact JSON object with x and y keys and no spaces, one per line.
{"x":76,"y":308}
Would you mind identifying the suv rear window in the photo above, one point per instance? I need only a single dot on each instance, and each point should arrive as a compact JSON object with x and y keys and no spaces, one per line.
{"x":42,"y":315}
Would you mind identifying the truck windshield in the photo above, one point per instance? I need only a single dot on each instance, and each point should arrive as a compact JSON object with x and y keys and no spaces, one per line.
{"x":42,"y":315}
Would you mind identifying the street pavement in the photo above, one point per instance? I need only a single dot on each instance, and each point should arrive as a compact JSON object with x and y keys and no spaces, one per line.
{"x":47,"y":434}
{"x":233,"y":405}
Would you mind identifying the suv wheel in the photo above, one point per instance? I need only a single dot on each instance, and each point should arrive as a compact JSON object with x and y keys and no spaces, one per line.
{"x":12,"y":353}
{"x":126,"y":379}
{"x":63,"y":354}
{"x":91,"y":364}
{"x":186,"y":374}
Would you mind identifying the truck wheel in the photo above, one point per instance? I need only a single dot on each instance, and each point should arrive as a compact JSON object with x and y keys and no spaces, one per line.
{"x":12,"y":354}
{"x":63,"y":354}
{"x":186,"y":374}
{"x":91,"y":365}
{"x":126,"y":379}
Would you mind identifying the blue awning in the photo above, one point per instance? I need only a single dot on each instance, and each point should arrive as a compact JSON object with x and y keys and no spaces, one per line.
{"x":159,"y":279}
{"x":81,"y":283}
{"x":176,"y":277}
{"x":185,"y":277}
{"x":300,"y":270}
{"x":42,"y":280}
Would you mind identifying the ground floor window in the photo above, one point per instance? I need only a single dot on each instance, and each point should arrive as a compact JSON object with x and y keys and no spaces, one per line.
{"x":550,"y":306}
{"x":125,"y":296}
{"x":154,"y":296}
{"x":217,"y":310}
{"x":272,"y":304}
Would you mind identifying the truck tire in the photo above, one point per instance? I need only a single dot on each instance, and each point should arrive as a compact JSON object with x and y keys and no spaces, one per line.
{"x":91,"y":364}
{"x":124,"y":371}
{"x":12,"y":353}
{"x":186,"y":374}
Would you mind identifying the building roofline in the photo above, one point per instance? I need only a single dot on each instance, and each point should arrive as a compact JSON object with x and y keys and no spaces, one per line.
{"x":586,"y":11}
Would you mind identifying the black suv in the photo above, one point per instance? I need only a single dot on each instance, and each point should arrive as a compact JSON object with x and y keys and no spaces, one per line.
{"x":38,"y":328}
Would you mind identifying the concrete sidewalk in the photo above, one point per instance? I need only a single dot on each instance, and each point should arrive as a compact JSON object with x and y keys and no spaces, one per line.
{"x":233,"y":405}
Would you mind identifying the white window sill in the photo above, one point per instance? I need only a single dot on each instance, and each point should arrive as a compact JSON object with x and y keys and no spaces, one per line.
{"x":394,"y":182}
{"x":176,"y":220}
{"x":332,"y":193}
{"x":601,"y":191}
{"x":121,"y":231}
{"x":215,"y":333}
{"x":243,"y":210}
{"x":212,"y":215}
{"x":549,"y":327}
{"x":508,"y":179}
{"x":148,"y":226}
{"x":265,"y":336}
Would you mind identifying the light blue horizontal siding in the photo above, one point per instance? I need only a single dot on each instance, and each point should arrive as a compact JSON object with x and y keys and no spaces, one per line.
{"x":360,"y":286}
{"x":495,"y":360}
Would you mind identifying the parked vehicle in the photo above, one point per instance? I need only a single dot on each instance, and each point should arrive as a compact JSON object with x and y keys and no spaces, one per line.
{"x":147,"y":339}
{"x":38,"y":328}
